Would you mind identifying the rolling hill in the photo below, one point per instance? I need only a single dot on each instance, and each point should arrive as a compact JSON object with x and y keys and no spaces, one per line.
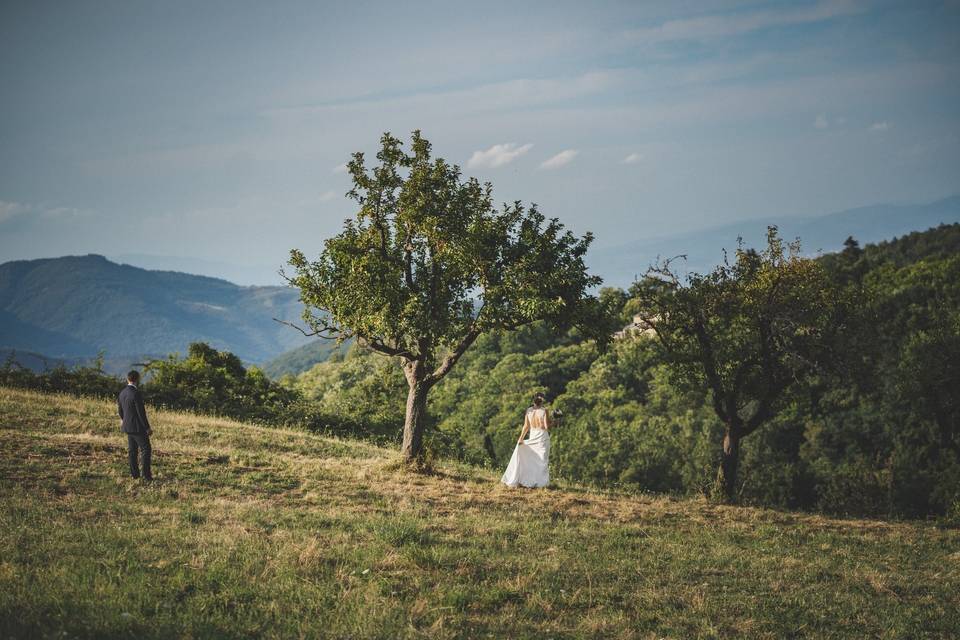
{"x":75,"y":306}
{"x":272,"y":533}
{"x":301,"y":358}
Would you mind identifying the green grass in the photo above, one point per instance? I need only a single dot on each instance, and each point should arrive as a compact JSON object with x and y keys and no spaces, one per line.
{"x":258,"y":532}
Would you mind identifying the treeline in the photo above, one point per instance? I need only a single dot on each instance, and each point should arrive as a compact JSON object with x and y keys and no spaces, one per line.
{"x":205,"y":381}
{"x":86,"y":380}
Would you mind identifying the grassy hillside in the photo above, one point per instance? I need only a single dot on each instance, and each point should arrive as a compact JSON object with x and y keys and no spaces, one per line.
{"x":251,"y":531}
{"x":75,"y":306}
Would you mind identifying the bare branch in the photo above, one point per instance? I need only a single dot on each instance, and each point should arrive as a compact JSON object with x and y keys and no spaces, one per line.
{"x":663,"y":270}
{"x":319,"y":333}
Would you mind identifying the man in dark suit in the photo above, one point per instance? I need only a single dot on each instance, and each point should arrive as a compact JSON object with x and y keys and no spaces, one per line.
{"x":135,"y":425}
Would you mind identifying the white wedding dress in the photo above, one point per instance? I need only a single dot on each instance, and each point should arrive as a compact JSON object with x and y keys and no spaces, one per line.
{"x":529,"y":465}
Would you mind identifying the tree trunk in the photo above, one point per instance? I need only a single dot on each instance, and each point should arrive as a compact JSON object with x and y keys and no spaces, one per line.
{"x":727,"y":474}
{"x":415,"y":422}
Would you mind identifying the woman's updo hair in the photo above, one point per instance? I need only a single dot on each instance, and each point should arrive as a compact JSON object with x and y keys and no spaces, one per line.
{"x":538,"y":399}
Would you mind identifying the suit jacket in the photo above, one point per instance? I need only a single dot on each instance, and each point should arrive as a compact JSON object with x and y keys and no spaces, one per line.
{"x":131,"y":410}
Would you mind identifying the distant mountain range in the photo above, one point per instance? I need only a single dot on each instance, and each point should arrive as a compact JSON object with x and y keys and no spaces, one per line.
{"x":621,"y":265}
{"x":72,"y":307}
{"x":69,"y":308}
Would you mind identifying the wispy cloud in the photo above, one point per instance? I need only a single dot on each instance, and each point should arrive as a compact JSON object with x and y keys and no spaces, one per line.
{"x":11,"y":211}
{"x":821,"y":122}
{"x":565,"y":157}
{"x":719,"y":26}
{"x":505,"y":95}
{"x":880,"y":126}
{"x":633,"y":158}
{"x":340,"y":168}
{"x":327,"y":196}
{"x":497,"y":155}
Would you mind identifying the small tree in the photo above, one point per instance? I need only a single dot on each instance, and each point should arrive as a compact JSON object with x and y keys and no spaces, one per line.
{"x":216,"y":382}
{"x":429,"y":263}
{"x":748,"y":331}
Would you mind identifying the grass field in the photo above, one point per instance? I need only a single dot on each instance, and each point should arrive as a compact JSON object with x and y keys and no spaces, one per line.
{"x":258,"y":532}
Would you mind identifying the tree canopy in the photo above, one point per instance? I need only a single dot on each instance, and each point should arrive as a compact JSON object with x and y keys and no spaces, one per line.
{"x":429,"y":263}
{"x":746,"y":331}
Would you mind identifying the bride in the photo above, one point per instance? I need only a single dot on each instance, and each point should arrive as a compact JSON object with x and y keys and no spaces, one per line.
{"x":529,"y":465}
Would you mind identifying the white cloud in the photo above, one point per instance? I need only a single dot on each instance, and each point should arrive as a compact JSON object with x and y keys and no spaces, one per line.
{"x":497,"y":155}
{"x":563,"y":158}
{"x":327,"y":196}
{"x":633,"y":158}
{"x":880,"y":126}
{"x":718,"y":26}
{"x":341,"y":168}
{"x":10,"y":210}
{"x":821,"y":122}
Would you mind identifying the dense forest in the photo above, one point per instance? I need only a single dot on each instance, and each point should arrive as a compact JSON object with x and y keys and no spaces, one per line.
{"x":879,"y":433}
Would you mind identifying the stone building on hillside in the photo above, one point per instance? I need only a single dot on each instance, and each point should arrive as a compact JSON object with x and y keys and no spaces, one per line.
{"x":638,"y":328}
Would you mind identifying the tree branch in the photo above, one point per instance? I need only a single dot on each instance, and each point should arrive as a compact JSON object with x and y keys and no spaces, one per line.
{"x":664,"y":336}
{"x":451,"y":359}
{"x":319,"y":333}
{"x":710,"y":369}
{"x":662,"y":269}
{"x":385,"y":349}
{"x":408,"y":259}
{"x":764,"y":409}
{"x":738,"y":379}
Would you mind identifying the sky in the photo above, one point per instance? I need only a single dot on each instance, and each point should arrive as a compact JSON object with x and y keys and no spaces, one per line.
{"x":212,"y":135}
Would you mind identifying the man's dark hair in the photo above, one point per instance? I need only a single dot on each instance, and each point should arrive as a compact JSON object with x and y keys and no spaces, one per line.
{"x":133,"y":376}
{"x":538,"y":399}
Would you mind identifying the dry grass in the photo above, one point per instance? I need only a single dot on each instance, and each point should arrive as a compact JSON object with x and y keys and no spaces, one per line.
{"x":280,"y":533}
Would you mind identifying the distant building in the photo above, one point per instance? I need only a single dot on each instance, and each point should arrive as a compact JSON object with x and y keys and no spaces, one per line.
{"x":638,"y":328}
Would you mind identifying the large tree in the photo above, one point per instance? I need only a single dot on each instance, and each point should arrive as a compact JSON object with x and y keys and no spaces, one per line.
{"x":429,"y":263}
{"x":747,"y":331}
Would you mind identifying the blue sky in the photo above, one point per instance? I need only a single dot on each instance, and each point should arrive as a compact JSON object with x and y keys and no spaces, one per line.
{"x":216,"y":130}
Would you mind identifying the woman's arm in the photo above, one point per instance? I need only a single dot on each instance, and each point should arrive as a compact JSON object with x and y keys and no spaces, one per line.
{"x":526,"y":427}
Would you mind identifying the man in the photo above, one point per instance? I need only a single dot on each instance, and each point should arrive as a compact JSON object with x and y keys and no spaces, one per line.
{"x":135,"y":425}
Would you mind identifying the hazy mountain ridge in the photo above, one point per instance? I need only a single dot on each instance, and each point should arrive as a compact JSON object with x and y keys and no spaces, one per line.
{"x":248,"y":273}
{"x":76,"y":306}
{"x":619,"y":265}
{"x":301,"y":358}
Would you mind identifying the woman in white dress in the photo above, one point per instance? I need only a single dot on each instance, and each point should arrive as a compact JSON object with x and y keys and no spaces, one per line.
{"x":529,"y":465}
